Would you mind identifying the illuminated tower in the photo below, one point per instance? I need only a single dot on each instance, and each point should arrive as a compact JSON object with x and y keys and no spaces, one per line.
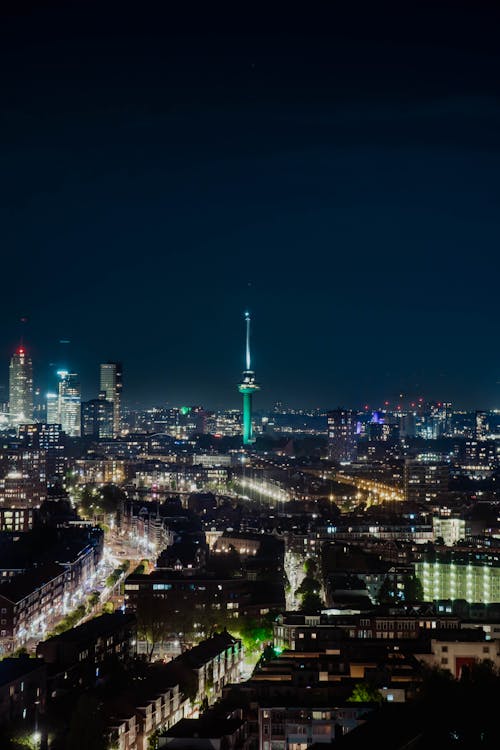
{"x":21,"y":387}
{"x":247,"y":388}
{"x":111,"y":385}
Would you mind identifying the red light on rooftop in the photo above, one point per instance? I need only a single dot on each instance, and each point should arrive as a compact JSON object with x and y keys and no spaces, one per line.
{"x":20,"y":350}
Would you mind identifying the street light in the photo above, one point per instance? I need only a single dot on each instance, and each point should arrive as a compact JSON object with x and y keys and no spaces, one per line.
{"x":36,"y":734}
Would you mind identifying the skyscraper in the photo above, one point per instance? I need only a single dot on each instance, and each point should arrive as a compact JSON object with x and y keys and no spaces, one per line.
{"x":342,"y":435}
{"x":52,"y":409}
{"x":111,"y":385}
{"x":70,"y":403}
{"x":20,"y":387}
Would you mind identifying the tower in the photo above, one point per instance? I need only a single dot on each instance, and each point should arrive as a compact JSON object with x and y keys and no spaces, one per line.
{"x":342,"y":435}
{"x":21,"y":387}
{"x":111,"y":384}
{"x":70,"y":403}
{"x":247,"y":388}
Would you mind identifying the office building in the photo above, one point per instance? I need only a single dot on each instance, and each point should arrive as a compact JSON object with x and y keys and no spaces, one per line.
{"x":70,"y":403}
{"x":98,"y":417}
{"x":52,"y":408}
{"x":20,"y":387}
{"x":342,"y":435}
{"x":111,"y":384}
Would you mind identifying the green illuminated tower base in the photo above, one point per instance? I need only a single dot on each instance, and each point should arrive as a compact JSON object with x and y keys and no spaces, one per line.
{"x":247,"y":388}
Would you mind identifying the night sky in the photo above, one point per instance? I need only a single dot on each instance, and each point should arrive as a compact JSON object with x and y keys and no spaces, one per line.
{"x":335,"y":171}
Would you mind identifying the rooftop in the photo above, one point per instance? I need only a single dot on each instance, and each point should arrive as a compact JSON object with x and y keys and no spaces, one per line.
{"x":12,"y":668}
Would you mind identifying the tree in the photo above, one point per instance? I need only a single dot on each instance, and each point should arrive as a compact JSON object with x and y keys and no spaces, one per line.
{"x":268,"y":654}
{"x":101,"y":501}
{"x":87,"y":726}
{"x":311,"y":567}
{"x":157,"y":619}
{"x":112,"y":498}
{"x":387,"y":593}
{"x":363,"y":692}
{"x":311,"y":603}
{"x":254,"y":633}
{"x":308,"y":586}
{"x":414,"y":591}
{"x":93,"y":600}
{"x":88,"y":503}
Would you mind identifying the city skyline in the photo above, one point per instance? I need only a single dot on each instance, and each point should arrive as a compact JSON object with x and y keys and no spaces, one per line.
{"x":92,"y":385}
{"x":335,"y":174}
{"x":249,"y":381}
{"x":46,"y":389}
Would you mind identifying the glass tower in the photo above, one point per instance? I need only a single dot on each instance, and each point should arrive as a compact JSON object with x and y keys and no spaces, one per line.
{"x":111,"y":385}
{"x":21,"y":387}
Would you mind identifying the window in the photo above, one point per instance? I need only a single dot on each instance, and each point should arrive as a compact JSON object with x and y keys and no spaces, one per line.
{"x":444,"y":649}
{"x":444,"y":660}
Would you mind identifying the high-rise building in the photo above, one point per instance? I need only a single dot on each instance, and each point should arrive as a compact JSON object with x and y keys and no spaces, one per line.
{"x":48,"y":439}
{"x":70,"y":403}
{"x":342,"y":425}
{"x":98,"y":417}
{"x":111,"y":384}
{"x":425,"y":480}
{"x":481,"y":425}
{"x":21,"y":387}
{"x":52,"y":409}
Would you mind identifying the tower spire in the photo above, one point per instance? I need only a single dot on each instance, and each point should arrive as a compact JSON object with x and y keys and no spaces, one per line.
{"x":247,"y":319}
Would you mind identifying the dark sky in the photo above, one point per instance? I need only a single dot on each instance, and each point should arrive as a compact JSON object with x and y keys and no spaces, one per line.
{"x":335,"y":171}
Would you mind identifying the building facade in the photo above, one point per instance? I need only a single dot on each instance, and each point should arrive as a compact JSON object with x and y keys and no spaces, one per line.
{"x":20,"y":387}
{"x":98,"y":417}
{"x":342,"y":435}
{"x":111,"y":384}
{"x":69,"y":403}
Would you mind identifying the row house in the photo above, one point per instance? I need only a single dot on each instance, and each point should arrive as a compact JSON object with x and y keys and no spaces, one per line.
{"x":298,"y":727}
{"x":34,"y":600}
{"x":29,"y":604}
{"x":137,"y":714}
{"x":301,"y":632}
{"x":216,"y":662}
{"x":82,"y":654}
{"x":22,"y":689}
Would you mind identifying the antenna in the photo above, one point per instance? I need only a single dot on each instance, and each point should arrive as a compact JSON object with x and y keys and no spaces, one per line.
{"x":23,"y":321}
{"x":247,"y":320}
